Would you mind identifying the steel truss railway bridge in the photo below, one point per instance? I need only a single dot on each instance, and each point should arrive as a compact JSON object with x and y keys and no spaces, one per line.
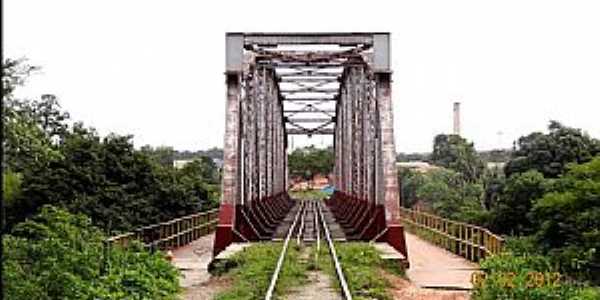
{"x":282,"y":84}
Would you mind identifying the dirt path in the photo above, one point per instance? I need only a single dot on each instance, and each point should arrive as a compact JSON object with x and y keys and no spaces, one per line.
{"x":192,"y":260}
{"x":403,"y":289}
{"x":431,"y":266}
{"x":319,"y":286}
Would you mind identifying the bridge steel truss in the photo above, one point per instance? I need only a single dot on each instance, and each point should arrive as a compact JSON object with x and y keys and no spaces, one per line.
{"x":274,"y":92}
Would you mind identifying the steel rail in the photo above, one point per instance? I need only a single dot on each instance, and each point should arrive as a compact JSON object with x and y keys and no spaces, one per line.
{"x":318,"y":232}
{"x":301,"y":229}
{"x":338,"y":267}
{"x":281,"y":259}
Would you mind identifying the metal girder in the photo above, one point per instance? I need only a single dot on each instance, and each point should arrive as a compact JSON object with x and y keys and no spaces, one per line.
{"x":309,"y":89}
{"x":321,"y":131}
{"x":316,"y":65}
{"x":316,"y":111}
{"x":332,"y":38}
{"x":285,"y":98}
{"x":307,"y":120}
{"x":310,"y":79}
{"x":309,"y":73}
{"x":260,"y":117}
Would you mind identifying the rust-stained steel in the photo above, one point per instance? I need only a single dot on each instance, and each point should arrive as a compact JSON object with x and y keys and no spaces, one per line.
{"x":344,"y":92}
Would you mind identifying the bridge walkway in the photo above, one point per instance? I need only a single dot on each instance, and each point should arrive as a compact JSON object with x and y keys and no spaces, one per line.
{"x":435,"y":267}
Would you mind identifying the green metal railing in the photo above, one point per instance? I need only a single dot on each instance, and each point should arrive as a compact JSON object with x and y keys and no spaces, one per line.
{"x":469,"y":241}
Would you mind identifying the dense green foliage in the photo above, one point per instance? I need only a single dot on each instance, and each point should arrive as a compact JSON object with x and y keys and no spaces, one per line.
{"x":57,"y":255}
{"x":568,"y":221}
{"x":454,"y":152}
{"x":511,"y":209}
{"x":412,"y":156}
{"x":497,"y":155}
{"x":49,"y":161}
{"x":214,"y":153}
{"x":550,"y":153}
{"x":445,"y":192}
{"x":548,"y":193}
{"x":510,"y":276}
{"x":108,"y":180}
{"x":52,"y":169}
{"x":309,"y":161}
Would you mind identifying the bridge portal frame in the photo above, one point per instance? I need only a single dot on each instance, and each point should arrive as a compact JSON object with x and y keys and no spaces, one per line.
{"x":374,"y":178}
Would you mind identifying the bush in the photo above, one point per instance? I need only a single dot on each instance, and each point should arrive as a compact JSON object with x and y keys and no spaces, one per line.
{"x":569,"y":218}
{"x":509,"y":276}
{"x":57,"y":255}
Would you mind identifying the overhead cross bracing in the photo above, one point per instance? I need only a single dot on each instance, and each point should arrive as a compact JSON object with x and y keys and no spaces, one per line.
{"x":309,"y":84}
{"x":282,"y":84}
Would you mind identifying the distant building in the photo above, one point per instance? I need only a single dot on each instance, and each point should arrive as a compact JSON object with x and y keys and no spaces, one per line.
{"x":318,"y":182}
{"x":218,"y":162}
{"x":180,"y":163}
{"x":419,"y":166}
{"x":495,"y":165}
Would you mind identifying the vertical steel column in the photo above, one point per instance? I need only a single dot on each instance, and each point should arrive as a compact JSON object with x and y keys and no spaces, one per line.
{"x":372,"y":142}
{"x":348,"y":139}
{"x":272,"y":140}
{"x":262,"y":158}
{"x":364,"y":135}
{"x":231,"y":151}
{"x":354,"y":131}
{"x":251,"y":138}
{"x":268,"y":133}
{"x":231,"y":165}
{"x":255,"y":134}
{"x":388,"y":150}
{"x":360,"y":133}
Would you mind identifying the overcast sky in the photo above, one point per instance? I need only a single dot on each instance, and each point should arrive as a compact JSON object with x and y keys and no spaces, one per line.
{"x":155,"y":68}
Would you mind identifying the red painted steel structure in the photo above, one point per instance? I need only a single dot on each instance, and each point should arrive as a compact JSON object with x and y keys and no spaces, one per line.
{"x":345,"y":92}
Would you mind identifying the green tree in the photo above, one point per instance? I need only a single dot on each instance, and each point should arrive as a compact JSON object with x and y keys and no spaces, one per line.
{"x":29,"y":127}
{"x":204,"y":168}
{"x":57,"y":255}
{"x":409,"y":181}
{"x":446,"y":193}
{"x":309,"y":161}
{"x":511,"y":212}
{"x":163,"y":155}
{"x":550,"y":153}
{"x":15,"y":73}
{"x":568,"y":219}
{"x":454,"y":152}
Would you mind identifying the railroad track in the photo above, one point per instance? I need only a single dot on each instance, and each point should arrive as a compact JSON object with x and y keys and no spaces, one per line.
{"x":309,"y":226}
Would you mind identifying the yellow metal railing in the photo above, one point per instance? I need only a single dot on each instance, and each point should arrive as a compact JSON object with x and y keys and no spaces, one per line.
{"x":469,"y":241}
{"x":171,"y":234}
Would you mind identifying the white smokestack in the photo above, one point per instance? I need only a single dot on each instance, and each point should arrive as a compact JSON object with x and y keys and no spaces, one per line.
{"x":456,"y":118}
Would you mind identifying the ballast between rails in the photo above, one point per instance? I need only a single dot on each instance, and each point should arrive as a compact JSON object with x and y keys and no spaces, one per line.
{"x":298,"y":226}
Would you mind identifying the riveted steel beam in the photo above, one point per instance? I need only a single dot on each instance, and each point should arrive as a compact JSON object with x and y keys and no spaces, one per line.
{"x":309,"y":90}
{"x":322,"y":131}
{"x":308,"y":120}
{"x":356,"y":78}
{"x":316,"y":111}
{"x":333,"y":38}
{"x":289,"y":99}
{"x":310,"y":79}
